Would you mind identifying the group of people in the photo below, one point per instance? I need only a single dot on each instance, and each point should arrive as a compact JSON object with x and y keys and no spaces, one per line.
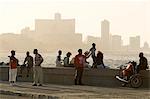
{"x":29,"y":61}
{"x":79,"y":62}
{"x":66,"y":61}
{"x":97,"y":59}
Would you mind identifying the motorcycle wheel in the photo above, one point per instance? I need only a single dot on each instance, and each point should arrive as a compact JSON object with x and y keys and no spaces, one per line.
{"x":136,"y":81}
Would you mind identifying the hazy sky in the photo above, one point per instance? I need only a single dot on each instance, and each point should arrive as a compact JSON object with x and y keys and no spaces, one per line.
{"x":127,"y":17}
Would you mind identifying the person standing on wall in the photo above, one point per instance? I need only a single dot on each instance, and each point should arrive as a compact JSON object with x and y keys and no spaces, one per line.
{"x":93,"y":50}
{"x":13,"y":68}
{"x":79,"y":66}
{"x":38,"y":75}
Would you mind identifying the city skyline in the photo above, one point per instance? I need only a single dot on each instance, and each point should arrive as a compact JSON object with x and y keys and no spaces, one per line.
{"x":53,"y":34}
{"x":106,"y":23}
{"x":118,"y":13}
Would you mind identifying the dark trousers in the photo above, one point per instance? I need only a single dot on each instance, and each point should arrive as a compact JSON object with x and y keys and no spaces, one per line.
{"x":78,"y":76}
{"x":94,"y":61}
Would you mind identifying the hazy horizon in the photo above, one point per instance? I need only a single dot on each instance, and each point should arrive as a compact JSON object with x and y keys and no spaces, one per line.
{"x":127,"y":17}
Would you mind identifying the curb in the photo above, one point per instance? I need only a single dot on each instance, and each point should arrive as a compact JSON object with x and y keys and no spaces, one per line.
{"x":28,"y":95}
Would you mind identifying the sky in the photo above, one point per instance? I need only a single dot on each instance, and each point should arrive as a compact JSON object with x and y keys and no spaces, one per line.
{"x":127,"y":17}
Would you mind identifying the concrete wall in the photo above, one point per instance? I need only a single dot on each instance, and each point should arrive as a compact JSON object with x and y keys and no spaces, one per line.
{"x":96,"y":77}
{"x":4,"y":73}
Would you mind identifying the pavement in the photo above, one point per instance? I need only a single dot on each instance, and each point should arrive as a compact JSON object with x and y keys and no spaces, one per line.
{"x":25,"y":90}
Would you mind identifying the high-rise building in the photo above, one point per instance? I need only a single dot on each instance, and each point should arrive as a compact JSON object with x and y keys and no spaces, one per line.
{"x":105,"y":36}
{"x":59,"y":31}
{"x":134,"y":43}
{"x":116,"y":43}
{"x":57,"y":26}
{"x":146,"y":48}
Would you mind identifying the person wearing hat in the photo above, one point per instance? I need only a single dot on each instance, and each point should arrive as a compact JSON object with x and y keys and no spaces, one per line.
{"x":13,"y":68}
{"x":38,"y":75}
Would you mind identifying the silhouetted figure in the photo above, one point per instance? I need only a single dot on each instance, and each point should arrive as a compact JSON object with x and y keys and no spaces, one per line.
{"x":13,"y":68}
{"x":38,"y":75}
{"x":143,"y":63}
{"x":99,"y":60}
{"x":58,"y":59}
{"x":66,"y":60}
{"x":29,"y":63}
{"x":79,"y":66}
{"x":93,"y":50}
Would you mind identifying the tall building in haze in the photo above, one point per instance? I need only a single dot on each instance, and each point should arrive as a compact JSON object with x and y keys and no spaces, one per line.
{"x":105,"y":35}
{"x":134,"y":43}
{"x":57,"y":26}
{"x":60,"y":32}
{"x":116,"y":43}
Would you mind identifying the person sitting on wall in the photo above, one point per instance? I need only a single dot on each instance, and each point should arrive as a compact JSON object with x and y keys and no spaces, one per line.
{"x":143,"y":64}
{"x":58,"y":59}
{"x":99,"y":60}
{"x":87,"y":55}
{"x":66,"y":60}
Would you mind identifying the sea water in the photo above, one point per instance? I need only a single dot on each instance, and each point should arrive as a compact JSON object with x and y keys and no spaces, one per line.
{"x":110,"y":60}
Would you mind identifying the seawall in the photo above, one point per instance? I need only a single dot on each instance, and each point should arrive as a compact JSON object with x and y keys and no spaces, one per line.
{"x":65,"y":76}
